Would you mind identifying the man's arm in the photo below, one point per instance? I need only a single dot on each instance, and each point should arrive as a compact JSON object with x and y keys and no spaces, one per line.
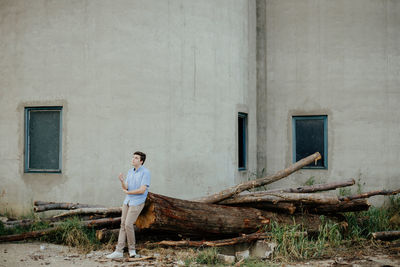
{"x":121,"y":179}
{"x":139,"y":191}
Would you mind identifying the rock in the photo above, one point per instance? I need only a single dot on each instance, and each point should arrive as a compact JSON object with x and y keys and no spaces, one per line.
{"x":263,"y":249}
{"x":242,"y":254}
{"x":226,"y":259}
{"x":89,"y":255}
{"x":180,"y":263}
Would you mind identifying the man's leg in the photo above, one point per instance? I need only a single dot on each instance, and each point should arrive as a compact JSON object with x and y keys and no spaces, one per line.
{"x":122,"y":230}
{"x":133,"y":214}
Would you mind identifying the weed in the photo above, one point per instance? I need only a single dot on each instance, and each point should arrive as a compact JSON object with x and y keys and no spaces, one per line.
{"x":294,"y":245}
{"x":362,"y":224}
{"x":359,"y":185}
{"x":72,"y":233}
{"x":344,"y":191}
{"x":208,"y":256}
{"x":37,"y":225}
{"x":310,"y":181}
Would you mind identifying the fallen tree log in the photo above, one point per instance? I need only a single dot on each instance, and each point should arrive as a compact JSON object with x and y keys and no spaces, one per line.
{"x":40,"y":206}
{"x":85,"y":211}
{"x":317,"y":199}
{"x":279,"y":207}
{"x":23,"y":236}
{"x":224,"y":194}
{"x":97,"y":223}
{"x":105,"y":234}
{"x":342,"y":206}
{"x":387,"y":235}
{"x":201,"y":219}
{"x":370,"y":194}
{"x":216,"y":243}
{"x":313,"y":188}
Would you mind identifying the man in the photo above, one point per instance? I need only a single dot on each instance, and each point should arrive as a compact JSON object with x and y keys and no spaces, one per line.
{"x":135,"y":187}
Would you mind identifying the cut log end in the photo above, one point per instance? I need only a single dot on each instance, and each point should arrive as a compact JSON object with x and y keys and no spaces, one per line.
{"x":146,"y":218}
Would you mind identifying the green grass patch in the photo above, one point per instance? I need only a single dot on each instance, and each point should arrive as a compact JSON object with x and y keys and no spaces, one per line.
{"x":72,"y":233}
{"x":208,"y":256}
{"x":293,"y":244}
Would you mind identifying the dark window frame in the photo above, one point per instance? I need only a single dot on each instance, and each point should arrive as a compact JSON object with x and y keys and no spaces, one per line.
{"x":28,"y":111}
{"x":325,"y":153}
{"x":242,"y":143}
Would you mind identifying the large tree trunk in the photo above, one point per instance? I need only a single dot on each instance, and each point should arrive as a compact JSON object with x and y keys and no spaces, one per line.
{"x":224,"y":194}
{"x":200,"y":219}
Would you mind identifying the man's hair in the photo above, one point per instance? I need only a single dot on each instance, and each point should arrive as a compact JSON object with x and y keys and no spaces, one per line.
{"x":142,"y":156}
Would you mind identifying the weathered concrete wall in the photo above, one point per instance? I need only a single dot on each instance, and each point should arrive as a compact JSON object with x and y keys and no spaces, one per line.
{"x":341,"y":59}
{"x":163,"y":77}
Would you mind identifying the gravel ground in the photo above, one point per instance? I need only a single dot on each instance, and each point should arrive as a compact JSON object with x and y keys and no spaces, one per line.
{"x":42,"y":254}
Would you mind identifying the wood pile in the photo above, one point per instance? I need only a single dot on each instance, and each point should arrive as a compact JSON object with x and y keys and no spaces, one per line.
{"x":234,"y":214}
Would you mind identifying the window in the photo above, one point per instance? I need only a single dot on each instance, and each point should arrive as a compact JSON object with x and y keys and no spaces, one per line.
{"x":43,"y":139}
{"x":310,"y":136}
{"x":242,"y":133}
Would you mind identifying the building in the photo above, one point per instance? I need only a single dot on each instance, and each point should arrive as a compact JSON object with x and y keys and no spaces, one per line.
{"x":215,"y":92}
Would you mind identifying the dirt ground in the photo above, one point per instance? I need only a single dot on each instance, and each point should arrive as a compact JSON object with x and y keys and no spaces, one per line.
{"x":42,"y":254}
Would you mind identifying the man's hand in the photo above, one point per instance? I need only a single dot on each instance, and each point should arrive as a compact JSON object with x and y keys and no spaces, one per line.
{"x":121,"y":177}
{"x":125,"y":191}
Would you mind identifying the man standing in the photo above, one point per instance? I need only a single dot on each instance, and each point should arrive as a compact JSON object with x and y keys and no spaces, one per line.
{"x":135,"y":187}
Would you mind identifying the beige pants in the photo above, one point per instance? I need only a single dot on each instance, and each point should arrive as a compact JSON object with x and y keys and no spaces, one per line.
{"x":126,"y":232}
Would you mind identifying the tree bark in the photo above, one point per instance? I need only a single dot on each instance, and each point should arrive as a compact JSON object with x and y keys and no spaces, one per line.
{"x":224,"y":194}
{"x":23,"y":236}
{"x":280,"y":207}
{"x":387,"y":235}
{"x":342,"y":206}
{"x":201,"y":219}
{"x":105,"y":222}
{"x":216,"y":243}
{"x":370,"y":194}
{"x":107,"y":234}
{"x":313,"y":188}
{"x":41,"y":206}
{"x":85,"y":211}
{"x":297,"y":198}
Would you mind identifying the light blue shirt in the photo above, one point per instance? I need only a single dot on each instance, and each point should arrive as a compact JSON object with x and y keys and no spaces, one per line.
{"x":135,"y":179}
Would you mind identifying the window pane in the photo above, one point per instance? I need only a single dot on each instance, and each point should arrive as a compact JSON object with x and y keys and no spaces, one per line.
{"x":242,"y":140}
{"x":310,"y":139}
{"x":44,"y":139}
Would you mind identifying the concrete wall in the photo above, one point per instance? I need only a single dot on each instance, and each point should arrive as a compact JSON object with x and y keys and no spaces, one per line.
{"x":341,"y":59}
{"x":163,"y":77}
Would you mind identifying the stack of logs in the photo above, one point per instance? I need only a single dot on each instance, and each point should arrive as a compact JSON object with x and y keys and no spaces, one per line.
{"x":235,"y":213}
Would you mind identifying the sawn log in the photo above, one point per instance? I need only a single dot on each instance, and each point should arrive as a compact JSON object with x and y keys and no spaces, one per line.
{"x":317,"y":199}
{"x":224,"y":194}
{"x":40,"y":206}
{"x":201,"y":219}
{"x":388,"y":235}
{"x":216,"y":243}
{"x":313,"y":188}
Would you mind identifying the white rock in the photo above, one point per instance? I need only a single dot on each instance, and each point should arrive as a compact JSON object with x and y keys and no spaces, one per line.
{"x":263,"y":249}
{"x":242,"y":254}
{"x":226,"y":258}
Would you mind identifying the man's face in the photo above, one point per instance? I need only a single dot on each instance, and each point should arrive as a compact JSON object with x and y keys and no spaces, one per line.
{"x":136,"y":161}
